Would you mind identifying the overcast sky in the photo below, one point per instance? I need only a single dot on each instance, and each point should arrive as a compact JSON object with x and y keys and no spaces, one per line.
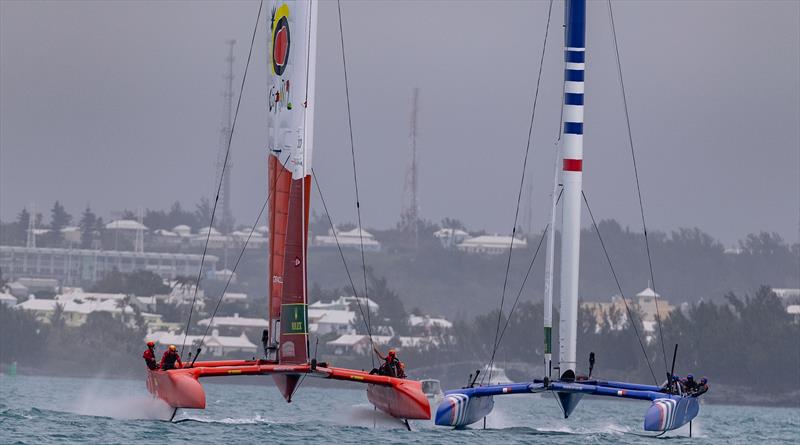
{"x":118,"y":105}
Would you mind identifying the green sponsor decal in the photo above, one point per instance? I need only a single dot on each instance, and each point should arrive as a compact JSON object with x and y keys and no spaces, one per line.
{"x":548,"y":340}
{"x":294,"y":318}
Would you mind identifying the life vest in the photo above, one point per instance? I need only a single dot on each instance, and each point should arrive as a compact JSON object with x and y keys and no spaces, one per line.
{"x":169,"y":359}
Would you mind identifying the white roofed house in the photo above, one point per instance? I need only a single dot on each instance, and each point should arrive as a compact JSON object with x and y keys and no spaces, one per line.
{"x":214,"y":344}
{"x":645,"y":304}
{"x":256,"y":239}
{"x":491,"y":244}
{"x":77,"y":307}
{"x":122,"y":233}
{"x":349,"y":239}
{"x":787,"y":295}
{"x":236,"y":325}
{"x":349,"y":303}
{"x":356,"y":344}
{"x":429,"y":325}
{"x":165,"y":238}
{"x":450,"y":237}
{"x":184,"y":293}
{"x":8,"y":299}
{"x":182,"y":230}
{"x":331,"y":321}
{"x":214,"y":238}
{"x":72,"y":235}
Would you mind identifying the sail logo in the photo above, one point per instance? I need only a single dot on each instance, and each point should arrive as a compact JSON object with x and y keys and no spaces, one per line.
{"x":281,"y":39}
{"x":294,"y":318}
{"x":287,"y":349}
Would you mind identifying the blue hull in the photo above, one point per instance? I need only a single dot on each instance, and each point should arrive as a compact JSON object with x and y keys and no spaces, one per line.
{"x":667,"y":412}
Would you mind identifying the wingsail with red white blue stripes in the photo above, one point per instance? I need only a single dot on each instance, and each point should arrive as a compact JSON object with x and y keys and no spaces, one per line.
{"x":673,"y":404}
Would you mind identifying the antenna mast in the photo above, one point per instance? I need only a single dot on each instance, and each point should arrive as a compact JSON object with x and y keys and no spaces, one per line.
{"x":139,"y":244}
{"x":227,"y":222}
{"x":31,"y":241}
{"x":409,"y":217}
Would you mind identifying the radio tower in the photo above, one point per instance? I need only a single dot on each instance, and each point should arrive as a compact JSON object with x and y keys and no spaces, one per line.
{"x":223,"y":169}
{"x":409,"y":216}
{"x":31,"y":241}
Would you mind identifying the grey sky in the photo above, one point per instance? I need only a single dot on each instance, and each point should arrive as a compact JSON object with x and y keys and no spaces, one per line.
{"x":118,"y":104}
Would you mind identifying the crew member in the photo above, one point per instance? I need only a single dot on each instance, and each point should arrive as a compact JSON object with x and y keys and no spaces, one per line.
{"x":702,"y":387}
{"x":171,"y":359}
{"x":149,"y":356}
{"x":392,"y":366}
{"x":689,"y":384}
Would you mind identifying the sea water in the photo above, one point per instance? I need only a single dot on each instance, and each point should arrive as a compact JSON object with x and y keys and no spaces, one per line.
{"x":36,"y":410}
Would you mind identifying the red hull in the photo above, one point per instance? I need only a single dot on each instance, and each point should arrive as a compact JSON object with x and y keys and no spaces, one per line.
{"x":180,"y":388}
{"x":402,"y":401}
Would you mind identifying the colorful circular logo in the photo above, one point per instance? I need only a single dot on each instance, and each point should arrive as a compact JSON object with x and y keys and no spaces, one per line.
{"x":281,"y":42}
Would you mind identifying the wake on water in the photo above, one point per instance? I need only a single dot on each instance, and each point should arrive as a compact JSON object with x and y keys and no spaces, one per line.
{"x":97,"y":400}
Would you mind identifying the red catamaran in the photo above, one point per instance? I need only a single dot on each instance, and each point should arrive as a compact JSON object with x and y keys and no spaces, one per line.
{"x":292,"y":59}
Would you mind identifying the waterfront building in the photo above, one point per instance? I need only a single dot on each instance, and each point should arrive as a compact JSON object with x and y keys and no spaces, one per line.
{"x":72,"y":267}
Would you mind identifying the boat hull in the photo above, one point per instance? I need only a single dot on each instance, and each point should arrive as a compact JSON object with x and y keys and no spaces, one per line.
{"x":460,"y":410}
{"x":668,"y":413}
{"x":403,"y":399}
{"x":179,"y":388}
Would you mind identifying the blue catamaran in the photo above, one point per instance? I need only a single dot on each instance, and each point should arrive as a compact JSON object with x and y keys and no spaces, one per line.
{"x":670,"y":407}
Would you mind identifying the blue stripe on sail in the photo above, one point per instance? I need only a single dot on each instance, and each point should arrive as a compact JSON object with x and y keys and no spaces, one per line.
{"x":573,"y":99}
{"x":575,"y":56}
{"x":573,"y":128}
{"x":573,"y":75}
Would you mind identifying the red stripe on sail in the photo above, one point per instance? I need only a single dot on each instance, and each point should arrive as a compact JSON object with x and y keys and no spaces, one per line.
{"x":280,"y":180}
{"x":294,"y":325}
{"x":573,"y":165}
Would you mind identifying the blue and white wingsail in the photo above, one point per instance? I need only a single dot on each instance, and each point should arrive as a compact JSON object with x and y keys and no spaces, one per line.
{"x":466,"y":406}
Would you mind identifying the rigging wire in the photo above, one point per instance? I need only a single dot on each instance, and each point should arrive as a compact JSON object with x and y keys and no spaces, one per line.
{"x":519,"y":194}
{"x":355,"y":171}
{"x":527,"y":274}
{"x":619,"y":287}
{"x":221,"y":176}
{"x":638,"y":187}
{"x":238,"y":259}
{"x":344,"y":262}
{"x":233,"y":271}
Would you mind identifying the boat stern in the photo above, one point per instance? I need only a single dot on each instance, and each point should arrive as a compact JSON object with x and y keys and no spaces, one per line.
{"x":670,"y":413}
{"x":403,"y":399}
{"x":461,"y":409}
{"x":179,"y":388}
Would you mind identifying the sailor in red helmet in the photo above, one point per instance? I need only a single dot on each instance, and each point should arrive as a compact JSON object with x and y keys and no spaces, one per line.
{"x":392,"y":366}
{"x":171,"y":359}
{"x":149,"y":356}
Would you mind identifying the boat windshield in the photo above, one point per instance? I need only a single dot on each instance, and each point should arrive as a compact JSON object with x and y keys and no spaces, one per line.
{"x":431,"y":386}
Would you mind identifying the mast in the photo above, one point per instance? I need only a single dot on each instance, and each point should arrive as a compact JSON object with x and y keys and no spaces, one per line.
{"x":292,"y":59}
{"x":548,"y":274}
{"x":571,"y":176}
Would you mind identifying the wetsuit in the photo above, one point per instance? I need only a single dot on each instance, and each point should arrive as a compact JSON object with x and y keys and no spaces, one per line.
{"x":393,"y":368}
{"x":701,"y":389}
{"x":150,"y":359}
{"x":169,"y":359}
